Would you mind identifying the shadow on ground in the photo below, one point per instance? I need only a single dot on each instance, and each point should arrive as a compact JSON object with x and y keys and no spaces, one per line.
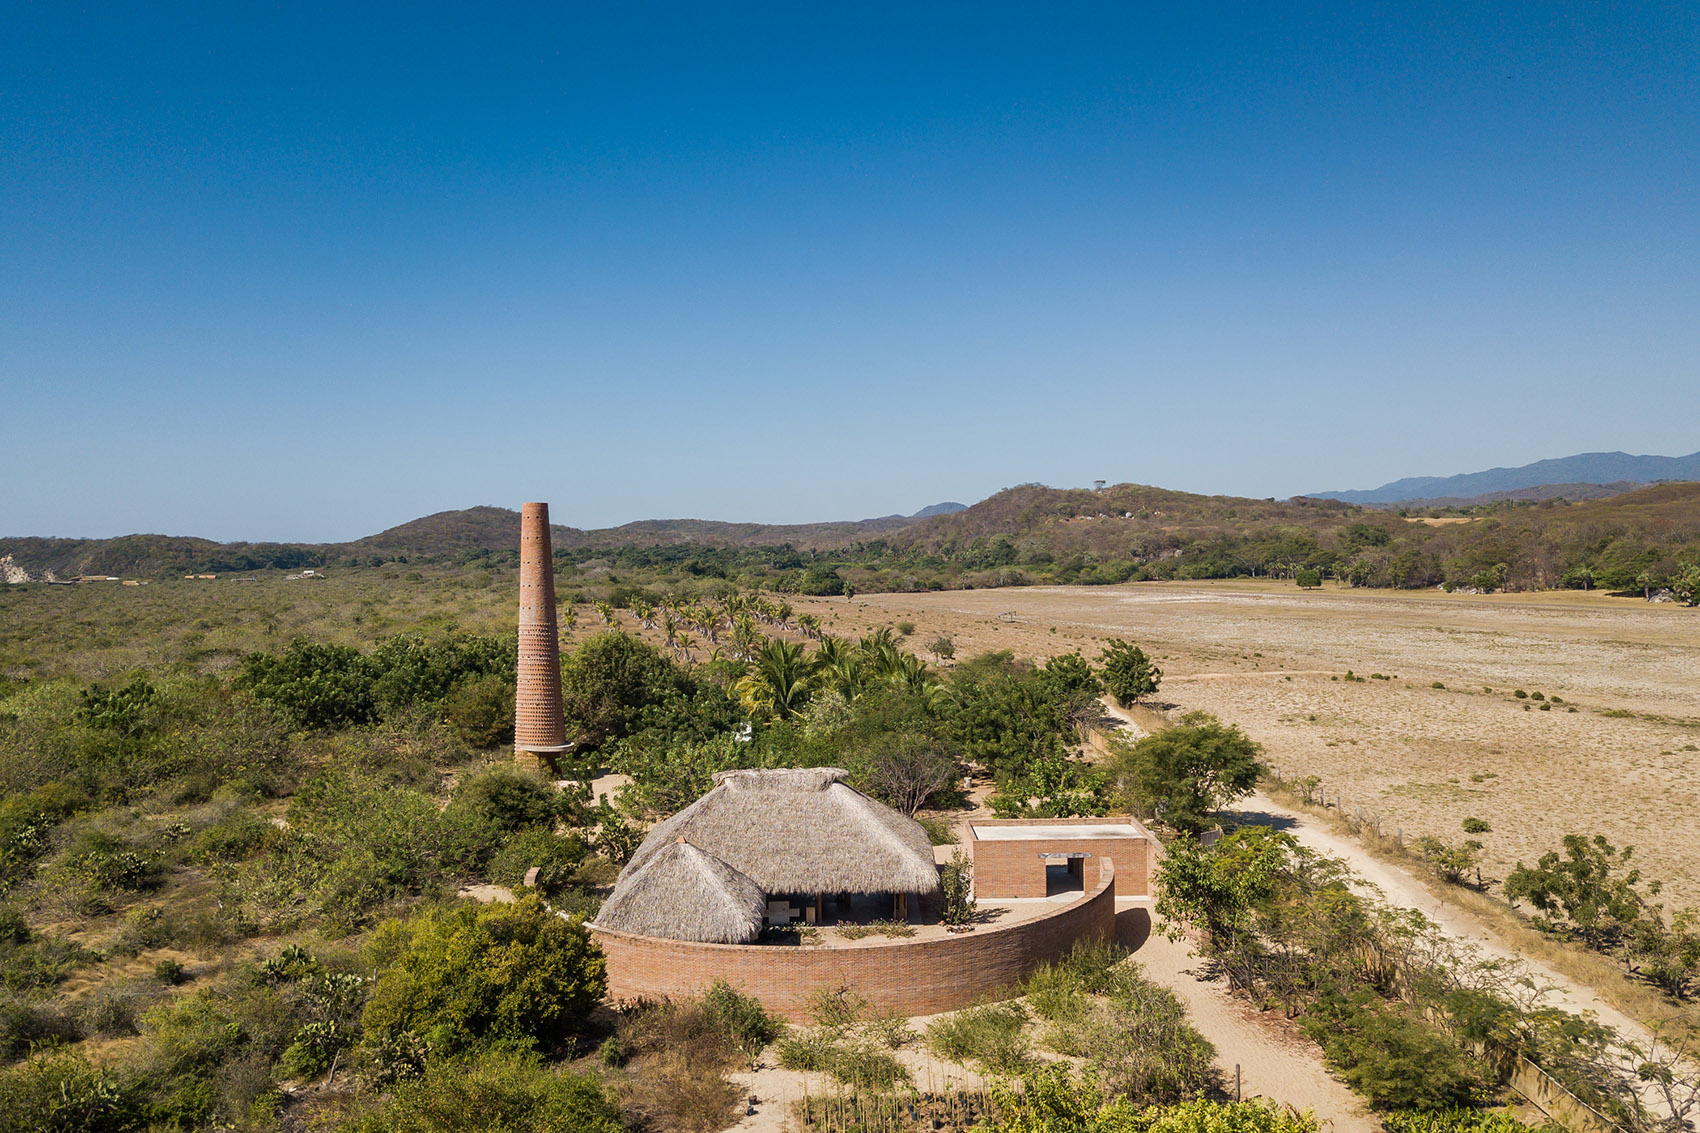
{"x":1133,"y":928}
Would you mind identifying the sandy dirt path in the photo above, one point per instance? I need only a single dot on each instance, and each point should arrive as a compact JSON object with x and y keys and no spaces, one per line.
{"x":1401,"y":889}
{"x":1274,"y":1062}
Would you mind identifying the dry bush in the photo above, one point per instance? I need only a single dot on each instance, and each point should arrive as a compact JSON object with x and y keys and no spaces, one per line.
{"x":677,"y":1054}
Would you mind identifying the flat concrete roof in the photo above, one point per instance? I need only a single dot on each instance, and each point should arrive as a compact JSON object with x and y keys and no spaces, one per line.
{"x":1049,"y":833}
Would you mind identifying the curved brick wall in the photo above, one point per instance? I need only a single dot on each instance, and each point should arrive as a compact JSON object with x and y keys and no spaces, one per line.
{"x":914,"y":977}
{"x":538,"y":721}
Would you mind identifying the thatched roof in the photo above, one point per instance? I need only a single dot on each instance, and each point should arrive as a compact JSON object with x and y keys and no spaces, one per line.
{"x":682,"y":893}
{"x":801,"y":831}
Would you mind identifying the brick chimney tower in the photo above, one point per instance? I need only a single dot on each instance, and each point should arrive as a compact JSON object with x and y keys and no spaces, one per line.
{"x":539,"y":725}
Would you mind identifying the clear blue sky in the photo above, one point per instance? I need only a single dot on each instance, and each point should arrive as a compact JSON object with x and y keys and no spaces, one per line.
{"x":293,"y":271}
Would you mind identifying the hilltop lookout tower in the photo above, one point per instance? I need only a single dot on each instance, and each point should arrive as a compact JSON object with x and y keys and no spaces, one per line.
{"x":540,"y":727}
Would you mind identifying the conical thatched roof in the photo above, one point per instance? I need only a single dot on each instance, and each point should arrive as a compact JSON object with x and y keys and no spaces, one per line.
{"x":682,"y":893}
{"x":801,"y":831}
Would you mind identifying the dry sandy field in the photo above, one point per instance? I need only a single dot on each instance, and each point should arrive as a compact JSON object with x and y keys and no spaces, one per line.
{"x":1273,"y":659}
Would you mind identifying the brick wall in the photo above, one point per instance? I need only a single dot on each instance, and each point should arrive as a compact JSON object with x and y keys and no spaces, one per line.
{"x":1014,"y":868}
{"x":914,"y":977}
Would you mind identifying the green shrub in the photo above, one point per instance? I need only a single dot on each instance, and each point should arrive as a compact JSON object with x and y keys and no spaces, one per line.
{"x":41,"y":962}
{"x":1052,"y":1099}
{"x":61,"y":1093}
{"x":875,"y":928}
{"x":317,"y":685}
{"x":956,"y":882}
{"x":506,"y":800}
{"x":1477,"y":826}
{"x":742,"y":1017}
{"x":496,"y":1092}
{"x":862,"y":1066}
{"x":505,"y":971}
{"x":25,"y":1024}
{"x":837,"y":1008}
{"x":169,"y":972}
{"x":233,"y":838}
{"x":804,"y":1050}
{"x":939,"y":832}
{"x":1392,"y":1059}
{"x":558,"y":860}
{"x":481,"y":710}
{"x":993,"y":1035}
{"x":1455,"y":1120}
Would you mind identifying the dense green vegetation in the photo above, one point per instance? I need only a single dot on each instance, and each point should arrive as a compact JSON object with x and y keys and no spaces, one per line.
{"x":241,"y":844}
{"x":233,"y":824}
{"x":1410,"y":1020}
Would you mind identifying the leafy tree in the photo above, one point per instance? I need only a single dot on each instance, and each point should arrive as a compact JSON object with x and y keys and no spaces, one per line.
{"x":466,"y":974}
{"x":1307,"y":578}
{"x":956,"y":884}
{"x":1053,"y":787}
{"x":668,"y":776}
{"x":1128,"y":672}
{"x":942,"y":647}
{"x":609,"y":683}
{"x":1219,"y":889}
{"x":1686,"y":584}
{"x":1186,"y":773}
{"x":1071,"y":677}
{"x":820,"y":581}
{"x":1589,"y":889}
{"x":1453,"y":862}
{"x":410,"y":670}
{"x":1005,"y":716}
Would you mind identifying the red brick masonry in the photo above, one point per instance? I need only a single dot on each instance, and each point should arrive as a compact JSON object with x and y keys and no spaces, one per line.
{"x":1013,"y":868}
{"x":915,"y":977}
{"x":539,"y":724}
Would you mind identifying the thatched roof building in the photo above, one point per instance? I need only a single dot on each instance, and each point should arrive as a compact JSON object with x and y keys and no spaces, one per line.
{"x":682,"y":893}
{"x":800,"y":831}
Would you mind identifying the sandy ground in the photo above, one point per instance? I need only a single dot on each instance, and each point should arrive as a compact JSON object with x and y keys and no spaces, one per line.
{"x":1273,"y":1060}
{"x":1271,"y":659}
{"x":1398,"y":888}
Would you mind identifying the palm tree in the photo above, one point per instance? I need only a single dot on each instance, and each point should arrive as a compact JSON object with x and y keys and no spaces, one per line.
{"x":607,"y":613}
{"x":847,"y":675}
{"x":781,"y":680}
{"x":746,"y":638}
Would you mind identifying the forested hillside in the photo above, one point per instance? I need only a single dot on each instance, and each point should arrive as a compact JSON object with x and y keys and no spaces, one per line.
{"x":1639,"y":540}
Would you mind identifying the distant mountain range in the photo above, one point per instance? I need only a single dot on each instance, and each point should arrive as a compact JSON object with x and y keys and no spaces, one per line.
{"x":1613,"y":469}
{"x":1026,"y":533}
{"x":442,"y":533}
